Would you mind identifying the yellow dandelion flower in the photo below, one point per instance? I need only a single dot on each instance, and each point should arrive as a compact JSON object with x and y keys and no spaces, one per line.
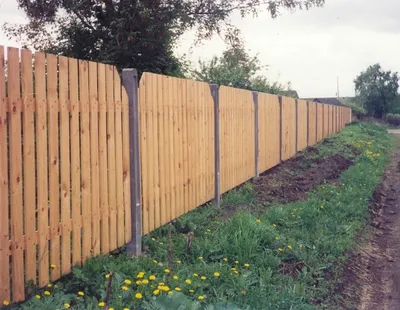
{"x":110,"y":308}
{"x":289,"y":247}
{"x":49,"y":285}
{"x":53,"y":266}
{"x":170,"y":293}
{"x":124,"y":288}
{"x":161,"y":283}
{"x":156,"y":292}
{"x":138,"y":296}
{"x":236,"y":262}
{"x":236,"y":272}
{"x":246,"y":265}
{"x":195,"y":275}
{"x":233,"y":268}
{"x":244,"y":292}
{"x":179,"y":262}
{"x":280,"y":250}
{"x":167,"y":270}
{"x":145,"y":281}
{"x":152,"y":278}
{"x":67,"y":306}
{"x":175,"y":277}
{"x":178,"y":289}
{"x":225,"y":259}
{"x":274,"y":225}
{"x":138,"y":282}
{"x":201,"y":257}
{"x":126,"y":308}
{"x":191,"y":291}
{"x":37,"y":296}
{"x":209,"y":230}
{"x":258,"y":221}
{"x":200,"y":297}
{"x":6,"y":303}
{"x":276,"y":238}
{"x":140,"y":276}
{"x":154,"y":261}
{"x":188,"y":281}
{"x":47,"y":293}
{"x":107,"y":276}
{"x":216,"y":274}
{"x":165,"y":288}
{"x":128,"y":282}
{"x":154,"y":239}
{"x":81,"y":293}
{"x":161,"y":243}
{"x":203,"y":278}
{"x":101,"y":304}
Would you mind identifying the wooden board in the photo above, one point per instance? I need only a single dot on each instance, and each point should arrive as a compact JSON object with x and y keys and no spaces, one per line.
{"x":94,"y":158}
{"x":4,"y":200}
{"x":65,"y":165}
{"x":29,"y":165}
{"x":320,"y":122}
{"x":302,"y":125}
{"x":75,"y":164}
{"x":312,"y":123}
{"x":288,"y":128}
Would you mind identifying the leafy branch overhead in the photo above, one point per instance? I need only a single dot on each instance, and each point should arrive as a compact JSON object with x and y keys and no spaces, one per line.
{"x":133,"y":33}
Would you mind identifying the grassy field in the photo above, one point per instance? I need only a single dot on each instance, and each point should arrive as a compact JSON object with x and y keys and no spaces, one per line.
{"x":287,"y":257}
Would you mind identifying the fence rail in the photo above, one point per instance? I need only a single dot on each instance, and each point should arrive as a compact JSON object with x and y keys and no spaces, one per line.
{"x":87,"y":166}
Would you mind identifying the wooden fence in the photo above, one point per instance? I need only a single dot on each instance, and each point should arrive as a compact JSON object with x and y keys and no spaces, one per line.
{"x":67,"y":135}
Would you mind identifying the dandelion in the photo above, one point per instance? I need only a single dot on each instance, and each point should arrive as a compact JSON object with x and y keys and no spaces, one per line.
{"x":154,"y":239}
{"x":6,"y":303}
{"x":274,"y":225}
{"x":47,"y":293}
{"x":244,"y":292}
{"x":138,"y":282}
{"x":37,"y":296}
{"x":140,"y":276}
{"x":53,"y":266}
{"x":201,"y":257}
{"x":236,"y":272}
{"x":195,"y":275}
{"x":165,"y":288}
{"x":187,"y":281}
{"x":126,"y":308}
{"x":225,"y":259}
{"x":161,"y":243}
{"x":49,"y":285}
{"x":138,"y":296}
{"x":289,"y":247}
{"x":258,"y":221}
{"x":156,"y":292}
{"x":101,"y":304}
{"x":110,"y":308}
{"x":161,"y":283}
{"x":178,"y":262}
{"x":191,"y":291}
{"x":175,"y":277}
{"x":177,"y":289}
{"x":216,"y":274}
{"x":152,"y":278}
{"x":124,"y":288}
{"x":128,"y":282}
{"x":170,"y":293}
{"x":203,"y":278}
{"x":154,"y":261}
{"x":81,"y":293}
{"x":280,"y":250}
{"x":160,"y":264}
{"x":145,"y":281}
{"x":200,"y":297}
{"x":67,"y":306}
{"x":167,"y":270}
{"x":276,"y":238}
{"x":233,"y":268}
{"x":236,"y":262}
{"x":246,"y":265}
{"x":107,"y":276}
{"x":208,"y":230}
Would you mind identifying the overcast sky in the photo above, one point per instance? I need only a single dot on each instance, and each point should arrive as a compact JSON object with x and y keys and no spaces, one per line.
{"x":309,"y":48}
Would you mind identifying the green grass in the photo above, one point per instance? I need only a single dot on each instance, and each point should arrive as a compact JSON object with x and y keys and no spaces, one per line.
{"x":315,"y":232}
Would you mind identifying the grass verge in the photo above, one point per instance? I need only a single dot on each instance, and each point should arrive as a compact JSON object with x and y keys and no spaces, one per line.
{"x":287,"y":258}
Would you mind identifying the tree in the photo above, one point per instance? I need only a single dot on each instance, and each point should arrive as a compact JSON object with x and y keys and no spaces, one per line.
{"x":236,"y":68}
{"x":132,"y":33}
{"x":377,"y":90}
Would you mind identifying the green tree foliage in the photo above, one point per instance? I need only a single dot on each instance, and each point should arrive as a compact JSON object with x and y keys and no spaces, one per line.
{"x":237,"y":68}
{"x":377,"y":90}
{"x":132,"y":33}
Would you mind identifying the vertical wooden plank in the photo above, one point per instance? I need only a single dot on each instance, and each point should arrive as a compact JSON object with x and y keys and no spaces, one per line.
{"x":184,"y":107}
{"x":171,"y":111}
{"x":126,"y":166}
{"x":161,"y":151}
{"x":16,"y":175}
{"x":111,"y":156}
{"x":155,"y":217}
{"x":94,"y":157}
{"x":118,"y":161}
{"x":52,"y":102}
{"x":41,"y":164}
{"x":85,"y":158}
{"x":29,"y":165}
{"x":75,"y":163}
{"x":103,"y":169}
{"x":177,"y":148}
{"x":166,"y":111}
{"x":65,"y":167}
{"x":4,"y":187}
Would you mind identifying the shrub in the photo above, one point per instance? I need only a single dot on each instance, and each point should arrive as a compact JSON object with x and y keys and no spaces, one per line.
{"x":393,"y":119}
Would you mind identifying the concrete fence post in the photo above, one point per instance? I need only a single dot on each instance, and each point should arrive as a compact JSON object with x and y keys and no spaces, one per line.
{"x":214,"y":88}
{"x":256,"y":135}
{"x":130,"y":81}
{"x":280,"y":127}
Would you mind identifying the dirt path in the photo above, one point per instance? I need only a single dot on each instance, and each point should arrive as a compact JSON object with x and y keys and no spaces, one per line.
{"x":377,"y":266}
